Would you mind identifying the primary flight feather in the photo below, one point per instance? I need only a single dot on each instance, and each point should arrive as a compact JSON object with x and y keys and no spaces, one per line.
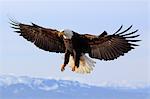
{"x":75,"y":45}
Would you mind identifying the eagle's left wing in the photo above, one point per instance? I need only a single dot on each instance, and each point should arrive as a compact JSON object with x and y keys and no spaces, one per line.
{"x":110,"y":47}
{"x":47,"y":39}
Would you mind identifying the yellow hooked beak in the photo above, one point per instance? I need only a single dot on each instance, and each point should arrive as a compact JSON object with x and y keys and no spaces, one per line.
{"x":61,"y":33}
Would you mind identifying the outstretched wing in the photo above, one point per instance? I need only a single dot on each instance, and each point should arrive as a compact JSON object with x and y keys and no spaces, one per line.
{"x":109,"y":47}
{"x":47,"y":39}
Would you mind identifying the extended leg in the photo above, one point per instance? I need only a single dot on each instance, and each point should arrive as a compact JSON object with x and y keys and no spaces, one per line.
{"x":76,"y":60}
{"x":66,"y":60}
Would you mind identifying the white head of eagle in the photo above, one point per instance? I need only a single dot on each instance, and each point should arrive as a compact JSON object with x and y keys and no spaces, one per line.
{"x":67,"y":34}
{"x":75,"y":46}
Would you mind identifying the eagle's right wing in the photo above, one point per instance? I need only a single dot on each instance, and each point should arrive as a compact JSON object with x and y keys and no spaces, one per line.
{"x":109,"y":47}
{"x":47,"y":39}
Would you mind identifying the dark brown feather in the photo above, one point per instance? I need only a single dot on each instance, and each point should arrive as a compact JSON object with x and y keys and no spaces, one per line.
{"x":110,"y":47}
{"x":44,"y":38}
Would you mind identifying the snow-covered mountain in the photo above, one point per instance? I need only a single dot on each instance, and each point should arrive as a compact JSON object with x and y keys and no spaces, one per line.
{"x":12,"y":87}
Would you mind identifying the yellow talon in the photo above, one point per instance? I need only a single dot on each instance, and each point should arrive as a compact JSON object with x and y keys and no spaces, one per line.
{"x":74,"y":68}
{"x":62,"y":67}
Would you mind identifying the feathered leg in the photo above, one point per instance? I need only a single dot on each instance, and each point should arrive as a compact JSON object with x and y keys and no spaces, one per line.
{"x":76,"y":60}
{"x":66,"y":60}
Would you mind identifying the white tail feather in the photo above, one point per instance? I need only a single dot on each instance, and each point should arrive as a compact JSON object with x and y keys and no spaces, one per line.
{"x":86,"y":64}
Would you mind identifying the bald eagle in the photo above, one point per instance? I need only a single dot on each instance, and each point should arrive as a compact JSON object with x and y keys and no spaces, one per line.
{"x":76,"y":46}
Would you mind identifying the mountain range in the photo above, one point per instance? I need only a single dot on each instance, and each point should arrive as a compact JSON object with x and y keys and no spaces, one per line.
{"x":23,"y":87}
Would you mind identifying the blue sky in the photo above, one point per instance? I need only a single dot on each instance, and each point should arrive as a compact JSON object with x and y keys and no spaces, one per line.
{"x":20,"y":57}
